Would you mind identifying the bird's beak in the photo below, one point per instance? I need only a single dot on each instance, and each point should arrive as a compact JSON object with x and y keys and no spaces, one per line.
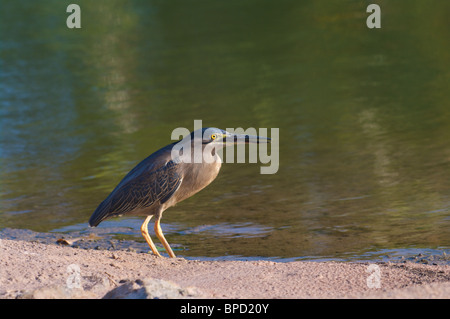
{"x":244,"y":139}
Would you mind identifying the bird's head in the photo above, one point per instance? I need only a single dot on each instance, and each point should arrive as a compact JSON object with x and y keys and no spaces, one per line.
{"x":218,"y":137}
{"x":202,"y":145}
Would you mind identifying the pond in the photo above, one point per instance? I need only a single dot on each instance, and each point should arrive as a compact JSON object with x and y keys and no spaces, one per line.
{"x":363,"y":116}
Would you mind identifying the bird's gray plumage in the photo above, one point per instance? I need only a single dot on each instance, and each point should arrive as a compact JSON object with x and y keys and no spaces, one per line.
{"x":150,"y":185}
{"x":160,"y":181}
{"x":139,"y":195}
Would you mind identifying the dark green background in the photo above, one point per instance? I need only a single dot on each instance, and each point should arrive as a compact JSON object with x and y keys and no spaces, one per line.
{"x":364,"y":118}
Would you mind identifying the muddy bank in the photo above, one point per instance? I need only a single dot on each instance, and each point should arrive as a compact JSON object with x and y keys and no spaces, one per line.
{"x":45,"y":270}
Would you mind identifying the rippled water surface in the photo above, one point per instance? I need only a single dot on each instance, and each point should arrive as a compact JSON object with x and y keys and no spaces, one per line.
{"x":364,"y":119}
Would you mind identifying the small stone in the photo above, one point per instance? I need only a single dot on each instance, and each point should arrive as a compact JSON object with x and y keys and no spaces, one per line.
{"x":150,"y":288}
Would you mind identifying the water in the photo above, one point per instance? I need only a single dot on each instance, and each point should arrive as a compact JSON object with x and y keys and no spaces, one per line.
{"x":364,"y":118}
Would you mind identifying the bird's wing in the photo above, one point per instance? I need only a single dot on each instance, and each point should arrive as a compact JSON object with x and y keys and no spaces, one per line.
{"x":140,"y":192}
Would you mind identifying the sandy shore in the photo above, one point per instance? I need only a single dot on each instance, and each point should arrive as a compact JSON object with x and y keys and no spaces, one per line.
{"x":38,"y":270}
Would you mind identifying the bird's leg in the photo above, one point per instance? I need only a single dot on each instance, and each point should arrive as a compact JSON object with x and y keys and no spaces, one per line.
{"x":144,"y":231}
{"x":159,"y":233}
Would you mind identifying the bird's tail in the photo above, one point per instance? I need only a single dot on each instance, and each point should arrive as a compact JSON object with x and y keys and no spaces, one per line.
{"x":99,"y":214}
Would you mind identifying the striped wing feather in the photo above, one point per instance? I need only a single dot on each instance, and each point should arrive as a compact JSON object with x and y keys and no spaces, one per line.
{"x":139,"y":193}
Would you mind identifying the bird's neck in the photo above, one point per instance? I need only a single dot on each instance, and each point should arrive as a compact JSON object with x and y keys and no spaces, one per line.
{"x":198,"y":154}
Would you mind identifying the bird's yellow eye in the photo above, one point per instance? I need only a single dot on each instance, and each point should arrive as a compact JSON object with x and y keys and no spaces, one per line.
{"x":214,"y":136}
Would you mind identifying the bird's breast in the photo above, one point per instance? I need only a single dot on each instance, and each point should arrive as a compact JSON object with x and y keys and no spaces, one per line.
{"x":196,"y":176}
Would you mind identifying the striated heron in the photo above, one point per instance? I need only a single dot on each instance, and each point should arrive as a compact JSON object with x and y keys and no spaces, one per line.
{"x":163,"y":180}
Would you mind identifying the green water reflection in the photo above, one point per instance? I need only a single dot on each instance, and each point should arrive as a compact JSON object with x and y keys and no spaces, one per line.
{"x":364,"y":118}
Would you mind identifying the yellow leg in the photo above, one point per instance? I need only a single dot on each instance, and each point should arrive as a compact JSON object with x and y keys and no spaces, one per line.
{"x":144,"y":231}
{"x":159,"y":233}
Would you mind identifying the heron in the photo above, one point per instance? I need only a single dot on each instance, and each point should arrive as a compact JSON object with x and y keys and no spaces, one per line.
{"x":163,"y":179}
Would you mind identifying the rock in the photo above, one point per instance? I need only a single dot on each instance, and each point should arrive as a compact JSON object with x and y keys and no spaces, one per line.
{"x":89,"y":287}
{"x":150,"y":288}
